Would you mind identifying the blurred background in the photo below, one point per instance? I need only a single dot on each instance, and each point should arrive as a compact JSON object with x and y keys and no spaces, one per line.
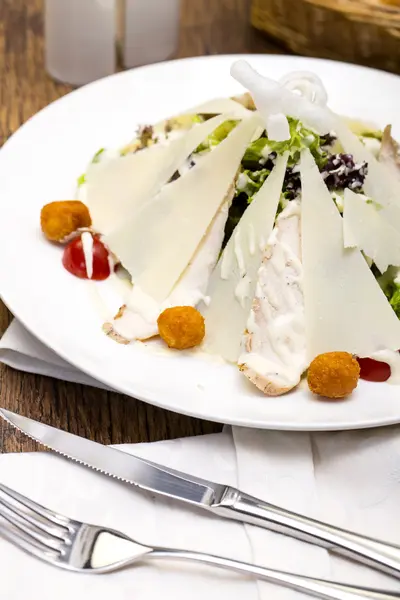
{"x":49,"y":46}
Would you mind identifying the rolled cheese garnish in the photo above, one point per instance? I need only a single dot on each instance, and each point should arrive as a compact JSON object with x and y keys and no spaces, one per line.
{"x":272,"y":98}
{"x":306,"y":84}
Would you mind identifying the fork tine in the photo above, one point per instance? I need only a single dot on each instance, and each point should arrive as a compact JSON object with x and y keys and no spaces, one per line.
{"x":36,"y":520}
{"x":29,"y":527}
{"x":16,"y":536}
{"x":36,"y":508}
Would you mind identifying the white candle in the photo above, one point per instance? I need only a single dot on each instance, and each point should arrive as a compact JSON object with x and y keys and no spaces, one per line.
{"x":151,"y":31}
{"x":80,"y":39}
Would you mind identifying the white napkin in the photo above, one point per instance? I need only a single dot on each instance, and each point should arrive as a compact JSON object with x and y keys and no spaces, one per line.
{"x":19,"y":349}
{"x":351,"y":479}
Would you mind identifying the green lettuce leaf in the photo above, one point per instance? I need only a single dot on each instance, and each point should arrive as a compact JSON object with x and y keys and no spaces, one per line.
{"x":395,"y":302}
{"x":255,"y":153}
{"x":390,"y":284}
{"x":249,"y":182}
{"x":376,"y":135}
{"x":300,"y":137}
{"x":217,"y":136}
{"x":96,"y":157}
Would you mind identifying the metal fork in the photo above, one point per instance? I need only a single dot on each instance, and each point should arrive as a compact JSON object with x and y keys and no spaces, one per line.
{"x":81,"y":547}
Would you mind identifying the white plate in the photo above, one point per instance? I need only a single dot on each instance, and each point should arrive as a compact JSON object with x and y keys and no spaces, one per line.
{"x":41,"y":162}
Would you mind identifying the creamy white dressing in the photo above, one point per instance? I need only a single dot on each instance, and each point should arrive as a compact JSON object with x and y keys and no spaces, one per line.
{"x":266,"y":151}
{"x":309,"y":139}
{"x":274,"y":349}
{"x":101,"y":307}
{"x":139,"y":316}
{"x":242,"y":181}
{"x":286,"y":332}
{"x":262,"y":243}
{"x":226,"y":265}
{"x":87,"y":247}
{"x":292,"y":209}
{"x":156,"y":346}
{"x":392,"y":358}
{"x":111,"y":262}
{"x":252,"y":240}
{"x":285,"y":377}
{"x":239,"y":252}
{"x":242,"y":290}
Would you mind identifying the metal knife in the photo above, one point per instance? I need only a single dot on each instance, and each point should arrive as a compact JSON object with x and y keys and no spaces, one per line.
{"x":220,"y":500}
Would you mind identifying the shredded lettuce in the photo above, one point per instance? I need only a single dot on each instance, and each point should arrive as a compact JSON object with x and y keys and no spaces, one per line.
{"x":249,"y":182}
{"x":300,"y":137}
{"x":395,"y":302}
{"x":374,"y":203}
{"x":376,"y":135}
{"x":217,"y":136}
{"x":182,"y":122}
{"x":96,"y":157}
{"x":259,"y":151}
{"x":390,"y":284}
{"x":254,"y":155}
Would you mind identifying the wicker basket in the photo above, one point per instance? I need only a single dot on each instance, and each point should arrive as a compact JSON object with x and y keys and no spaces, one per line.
{"x":359,"y":31}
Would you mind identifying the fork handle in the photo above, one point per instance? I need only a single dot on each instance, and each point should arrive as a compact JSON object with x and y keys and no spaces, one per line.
{"x":374,"y":553}
{"x":327,"y":590}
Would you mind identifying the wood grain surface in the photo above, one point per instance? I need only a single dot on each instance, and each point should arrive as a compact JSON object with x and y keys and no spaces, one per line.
{"x":207,"y":27}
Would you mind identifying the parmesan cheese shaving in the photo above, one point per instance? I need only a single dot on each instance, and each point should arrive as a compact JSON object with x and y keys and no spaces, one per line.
{"x":380,"y":184}
{"x":366,"y":229}
{"x":220,"y":105}
{"x":157,"y":244}
{"x":345,"y":309}
{"x":118,"y":187}
{"x":230,"y":302}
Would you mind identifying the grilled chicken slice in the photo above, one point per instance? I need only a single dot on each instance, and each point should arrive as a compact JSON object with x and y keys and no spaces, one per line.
{"x":389,"y":153}
{"x":245,"y":100}
{"x":274,"y":344}
{"x":137,"y":320}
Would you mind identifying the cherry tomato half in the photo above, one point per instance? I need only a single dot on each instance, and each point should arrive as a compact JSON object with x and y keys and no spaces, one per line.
{"x":75,"y":263}
{"x":373,"y":370}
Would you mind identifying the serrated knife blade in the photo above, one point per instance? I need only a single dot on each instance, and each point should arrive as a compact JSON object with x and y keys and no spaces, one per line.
{"x":120,"y":465}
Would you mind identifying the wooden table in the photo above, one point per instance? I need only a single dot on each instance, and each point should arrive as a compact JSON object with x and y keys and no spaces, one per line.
{"x":207,"y":27}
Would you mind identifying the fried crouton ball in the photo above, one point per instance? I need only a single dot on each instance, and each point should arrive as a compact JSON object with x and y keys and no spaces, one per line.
{"x":59,"y":219}
{"x":181,"y":327}
{"x":333,"y":375}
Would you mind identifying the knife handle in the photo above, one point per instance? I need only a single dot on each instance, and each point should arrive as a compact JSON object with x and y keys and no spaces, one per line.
{"x":247,"y":509}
